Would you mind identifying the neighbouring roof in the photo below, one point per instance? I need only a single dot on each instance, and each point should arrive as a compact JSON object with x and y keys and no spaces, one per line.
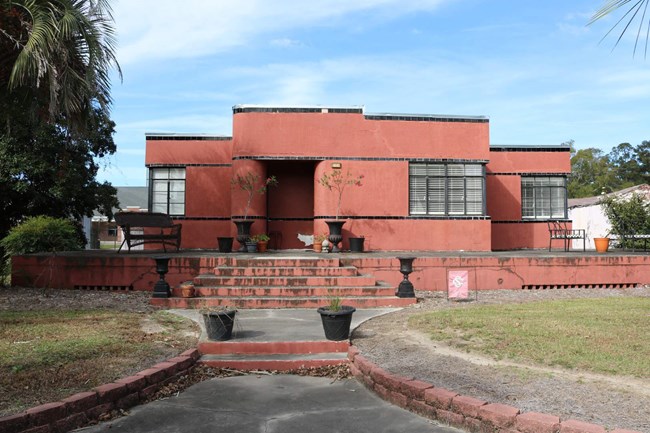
{"x":128,"y":196}
{"x":643,"y":189}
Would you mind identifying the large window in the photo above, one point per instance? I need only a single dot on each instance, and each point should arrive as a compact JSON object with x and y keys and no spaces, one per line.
{"x":543,"y":197}
{"x":446,"y":189}
{"x":167,"y":190}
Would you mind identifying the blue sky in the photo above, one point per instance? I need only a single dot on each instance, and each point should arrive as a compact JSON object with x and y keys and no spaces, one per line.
{"x":533,"y":67}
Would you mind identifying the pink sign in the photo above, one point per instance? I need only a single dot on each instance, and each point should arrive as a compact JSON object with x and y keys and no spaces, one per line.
{"x":458,"y":284}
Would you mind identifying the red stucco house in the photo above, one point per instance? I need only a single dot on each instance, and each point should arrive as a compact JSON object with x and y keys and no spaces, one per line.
{"x":430,"y":182}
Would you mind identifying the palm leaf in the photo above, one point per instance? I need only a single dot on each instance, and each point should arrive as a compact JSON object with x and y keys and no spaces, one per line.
{"x":637,"y":10}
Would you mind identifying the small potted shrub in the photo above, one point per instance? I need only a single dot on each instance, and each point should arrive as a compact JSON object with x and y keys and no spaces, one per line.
{"x":318,"y":242}
{"x":336,"y":319}
{"x":219,"y":322}
{"x":337,"y":182}
{"x":262,"y":241}
{"x":251,"y":184}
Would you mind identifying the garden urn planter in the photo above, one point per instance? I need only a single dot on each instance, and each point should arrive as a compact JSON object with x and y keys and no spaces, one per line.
{"x":161,"y":289}
{"x":602,"y":244}
{"x":219,"y":324}
{"x":405,"y":288}
{"x":335,"y":236}
{"x":243,"y":232}
{"x":336,"y":324}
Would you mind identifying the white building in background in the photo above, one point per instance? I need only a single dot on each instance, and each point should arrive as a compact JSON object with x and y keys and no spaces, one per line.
{"x":586,"y":213}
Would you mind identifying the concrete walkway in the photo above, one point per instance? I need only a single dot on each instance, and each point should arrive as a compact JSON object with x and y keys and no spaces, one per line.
{"x":271,"y":404}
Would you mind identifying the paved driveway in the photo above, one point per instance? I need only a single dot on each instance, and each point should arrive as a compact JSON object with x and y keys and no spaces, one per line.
{"x":282,"y":403}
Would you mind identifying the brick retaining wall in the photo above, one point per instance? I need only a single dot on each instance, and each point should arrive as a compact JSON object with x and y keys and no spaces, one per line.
{"x":85,"y":407}
{"x":464,"y":412}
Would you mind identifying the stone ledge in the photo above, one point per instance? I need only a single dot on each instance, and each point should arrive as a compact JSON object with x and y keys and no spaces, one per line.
{"x":75,"y":411}
{"x":458,"y":410}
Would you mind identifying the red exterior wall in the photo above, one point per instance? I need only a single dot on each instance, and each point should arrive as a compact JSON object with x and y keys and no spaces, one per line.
{"x":503,"y":184}
{"x":351,"y":134}
{"x":298,"y":147}
{"x":496,"y":271}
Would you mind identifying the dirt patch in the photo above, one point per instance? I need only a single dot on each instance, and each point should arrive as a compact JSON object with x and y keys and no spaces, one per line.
{"x":615,"y":402}
{"x":153,"y":337}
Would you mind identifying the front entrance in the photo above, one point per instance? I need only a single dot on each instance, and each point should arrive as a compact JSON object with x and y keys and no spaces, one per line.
{"x":290,"y":205}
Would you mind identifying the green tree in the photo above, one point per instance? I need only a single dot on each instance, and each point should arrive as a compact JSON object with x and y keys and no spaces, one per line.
{"x":55,"y":59}
{"x":637,"y":9}
{"x":627,"y":216}
{"x":627,"y":170}
{"x":46,"y":171}
{"x":591,"y":173}
{"x":58,"y":53}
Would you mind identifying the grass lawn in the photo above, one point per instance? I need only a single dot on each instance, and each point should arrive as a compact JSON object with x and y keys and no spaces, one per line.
{"x":48,"y":355}
{"x":609,"y":336}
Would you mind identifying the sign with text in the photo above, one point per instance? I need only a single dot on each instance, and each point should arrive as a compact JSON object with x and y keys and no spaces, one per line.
{"x":458,"y":285}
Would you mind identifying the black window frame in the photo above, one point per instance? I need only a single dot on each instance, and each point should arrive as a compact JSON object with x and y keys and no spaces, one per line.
{"x":538,"y":186}
{"x":169,"y":180}
{"x":446,"y":174}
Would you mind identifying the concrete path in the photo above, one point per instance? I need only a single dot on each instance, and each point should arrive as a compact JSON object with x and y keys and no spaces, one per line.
{"x":269,"y":404}
{"x":296,"y":324}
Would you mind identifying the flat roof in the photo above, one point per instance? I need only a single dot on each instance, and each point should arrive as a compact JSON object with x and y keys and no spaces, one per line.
{"x":184,"y":136}
{"x":530,"y":147}
{"x":355,"y":109}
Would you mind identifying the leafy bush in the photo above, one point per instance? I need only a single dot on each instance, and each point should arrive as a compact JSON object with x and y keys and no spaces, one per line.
{"x":631,"y":216}
{"x":42,"y":234}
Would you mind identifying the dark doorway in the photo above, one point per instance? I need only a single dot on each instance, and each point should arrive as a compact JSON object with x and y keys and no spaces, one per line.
{"x":290,"y":205}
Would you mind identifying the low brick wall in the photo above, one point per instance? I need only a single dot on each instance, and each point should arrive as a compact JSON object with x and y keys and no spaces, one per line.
{"x":468,"y":413}
{"x":80,"y":409}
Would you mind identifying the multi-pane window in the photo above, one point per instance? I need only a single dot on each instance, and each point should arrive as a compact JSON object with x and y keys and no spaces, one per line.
{"x":167,"y":190}
{"x":446,"y":189}
{"x":543,"y":197}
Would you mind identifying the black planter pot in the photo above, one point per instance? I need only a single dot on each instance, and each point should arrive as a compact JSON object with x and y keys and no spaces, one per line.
{"x":336,"y":236}
{"x":243,"y":232}
{"x":219,"y":324}
{"x":356,"y":245}
{"x":337,"y":323}
{"x":225,"y":244}
{"x":251,"y":247}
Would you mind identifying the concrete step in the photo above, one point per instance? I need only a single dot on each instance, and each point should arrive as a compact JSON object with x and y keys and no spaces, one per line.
{"x":213,"y":280}
{"x":280,"y":271}
{"x":293,"y":292}
{"x":278,"y":262}
{"x":284,"y":362}
{"x":234,"y":347}
{"x":280,"y":302}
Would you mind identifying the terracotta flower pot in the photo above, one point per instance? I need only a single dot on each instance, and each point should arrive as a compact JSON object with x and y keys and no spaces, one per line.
{"x":262,"y":246}
{"x":602,"y":244}
{"x":186,"y":290}
{"x":318,"y":246}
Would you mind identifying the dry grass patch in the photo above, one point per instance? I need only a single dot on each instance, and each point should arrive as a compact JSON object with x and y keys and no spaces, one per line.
{"x":607,"y":336}
{"x":49,"y":355}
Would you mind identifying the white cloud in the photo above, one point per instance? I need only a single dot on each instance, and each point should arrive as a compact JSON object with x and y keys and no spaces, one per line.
{"x":165,"y":29}
{"x":285,"y":43}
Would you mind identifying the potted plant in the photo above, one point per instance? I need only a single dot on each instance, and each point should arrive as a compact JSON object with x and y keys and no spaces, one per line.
{"x":186,"y":290}
{"x":262,"y":241}
{"x":251,"y":244}
{"x":318,"y":242}
{"x":252,"y":184}
{"x":602,"y":243}
{"x":219,"y":322}
{"x":336,"y":319}
{"x":356,"y":244}
{"x":336,"y":181}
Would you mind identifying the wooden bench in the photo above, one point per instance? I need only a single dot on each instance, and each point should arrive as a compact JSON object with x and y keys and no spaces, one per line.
{"x":558,"y":230}
{"x":135,"y":225}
